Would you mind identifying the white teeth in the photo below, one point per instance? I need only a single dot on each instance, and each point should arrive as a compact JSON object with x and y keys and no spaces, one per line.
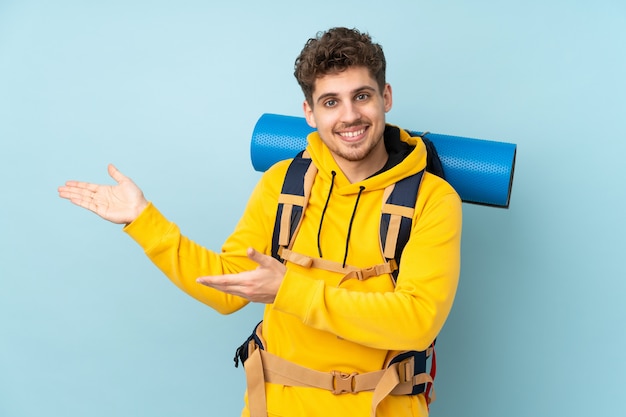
{"x":352,"y":134}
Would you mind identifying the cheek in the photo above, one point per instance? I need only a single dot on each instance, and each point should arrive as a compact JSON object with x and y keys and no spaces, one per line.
{"x":323,"y":123}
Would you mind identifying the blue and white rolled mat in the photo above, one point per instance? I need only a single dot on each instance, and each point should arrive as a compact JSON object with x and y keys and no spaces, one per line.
{"x":481,"y":171}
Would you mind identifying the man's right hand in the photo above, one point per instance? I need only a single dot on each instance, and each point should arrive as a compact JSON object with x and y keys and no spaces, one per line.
{"x":120,"y":203}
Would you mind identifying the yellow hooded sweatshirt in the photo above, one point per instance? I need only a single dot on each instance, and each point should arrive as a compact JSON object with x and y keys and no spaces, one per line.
{"x":314,"y":321}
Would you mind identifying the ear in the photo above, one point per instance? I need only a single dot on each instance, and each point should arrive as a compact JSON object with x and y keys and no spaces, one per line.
{"x":308,"y":114}
{"x":387,"y":97}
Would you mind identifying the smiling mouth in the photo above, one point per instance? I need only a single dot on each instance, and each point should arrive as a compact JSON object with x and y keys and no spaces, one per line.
{"x":352,"y":135}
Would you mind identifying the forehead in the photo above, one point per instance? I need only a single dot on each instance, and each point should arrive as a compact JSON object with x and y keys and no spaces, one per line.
{"x":343,"y":82}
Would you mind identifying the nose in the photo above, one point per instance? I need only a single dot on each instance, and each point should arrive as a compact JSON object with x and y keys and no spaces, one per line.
{"x":350,"y":112}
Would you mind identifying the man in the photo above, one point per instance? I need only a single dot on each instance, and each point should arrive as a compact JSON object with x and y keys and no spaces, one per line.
{"x":315,"y":319}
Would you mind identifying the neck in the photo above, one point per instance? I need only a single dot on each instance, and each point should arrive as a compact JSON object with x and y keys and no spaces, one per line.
{"x":356,"y":171}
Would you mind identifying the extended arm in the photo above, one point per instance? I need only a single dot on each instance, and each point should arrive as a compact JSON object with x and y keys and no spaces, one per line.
{"x":184,"y":261}
{"x":180,"y":258}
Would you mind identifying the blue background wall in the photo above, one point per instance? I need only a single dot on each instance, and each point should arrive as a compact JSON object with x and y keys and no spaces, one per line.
{"x":170,"y":91}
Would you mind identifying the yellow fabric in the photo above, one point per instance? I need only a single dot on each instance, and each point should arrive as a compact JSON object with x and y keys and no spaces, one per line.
{"x":397,"y":379}
{"x":314,"y":321}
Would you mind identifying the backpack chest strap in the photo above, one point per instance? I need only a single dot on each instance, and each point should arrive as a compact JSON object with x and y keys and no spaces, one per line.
{"x":350,"y":272}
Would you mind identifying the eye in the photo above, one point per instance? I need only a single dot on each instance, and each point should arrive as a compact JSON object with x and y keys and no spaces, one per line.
{"x":362,"y":97}
{"x":330,"y":103}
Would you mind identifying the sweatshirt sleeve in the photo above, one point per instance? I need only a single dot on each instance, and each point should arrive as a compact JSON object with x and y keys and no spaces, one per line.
{"x":183,"y":260}
{"x":411,"y":316}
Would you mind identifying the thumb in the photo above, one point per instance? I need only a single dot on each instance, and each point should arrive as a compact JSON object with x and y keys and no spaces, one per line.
{"x":116,"y":174}
{"x":258,"y":257}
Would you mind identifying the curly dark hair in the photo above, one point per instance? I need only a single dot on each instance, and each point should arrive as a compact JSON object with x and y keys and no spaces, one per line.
{"x":334,"y":51}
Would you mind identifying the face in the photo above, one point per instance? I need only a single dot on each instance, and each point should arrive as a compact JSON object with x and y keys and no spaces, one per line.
{"x":348,"y":109}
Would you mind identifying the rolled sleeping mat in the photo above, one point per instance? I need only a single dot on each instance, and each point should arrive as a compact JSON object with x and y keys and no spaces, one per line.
{"x":481,"y":171}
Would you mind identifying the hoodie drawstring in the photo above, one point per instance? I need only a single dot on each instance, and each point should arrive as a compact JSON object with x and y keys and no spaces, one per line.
{"x":356,"y":203}
{"x":319,"y":230}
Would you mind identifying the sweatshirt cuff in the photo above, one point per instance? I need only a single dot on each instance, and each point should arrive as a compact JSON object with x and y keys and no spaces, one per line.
{"x":296,"y":295}
{"x":148,"y":228}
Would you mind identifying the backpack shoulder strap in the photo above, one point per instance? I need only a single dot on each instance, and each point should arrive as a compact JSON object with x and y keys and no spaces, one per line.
{"x":397,"y":216}
{"x":396,"y":222}
{"x":292,"y":202}
{"x":433,"y":161}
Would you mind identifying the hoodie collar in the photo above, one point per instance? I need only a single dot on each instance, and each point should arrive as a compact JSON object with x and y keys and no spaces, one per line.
{"x":407,"y":155}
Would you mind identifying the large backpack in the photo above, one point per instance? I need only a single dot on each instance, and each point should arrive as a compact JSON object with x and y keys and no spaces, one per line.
{"x":395,"y":228}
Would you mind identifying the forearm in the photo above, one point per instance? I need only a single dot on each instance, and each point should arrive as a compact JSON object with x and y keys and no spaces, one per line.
{"x":181,"y":259}
{"x":386,"y":320}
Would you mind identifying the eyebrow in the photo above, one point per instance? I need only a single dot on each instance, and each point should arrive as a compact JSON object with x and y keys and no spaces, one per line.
{"x":353,"y":92}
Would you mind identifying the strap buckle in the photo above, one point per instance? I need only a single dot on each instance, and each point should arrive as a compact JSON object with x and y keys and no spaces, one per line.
{"x":406,"y":370}
{"x":376,"y":270}
{"x":366,"y":273}
{"x":343,"y":382}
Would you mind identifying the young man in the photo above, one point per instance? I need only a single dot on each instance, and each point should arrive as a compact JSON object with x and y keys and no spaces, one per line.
{"x":318,"y":321}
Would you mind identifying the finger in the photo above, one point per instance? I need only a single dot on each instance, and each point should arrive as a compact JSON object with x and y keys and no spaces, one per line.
{"x":116,"y":174}
{"x":87,"y":203}
{"x":224,"y":283}
{"x":80,"y":194}
{"x":81,"y":185}
{"x":258,"y":257}
{"x":204,"y":281}
{"x":76,"y":193}
{"x":215,"y":281}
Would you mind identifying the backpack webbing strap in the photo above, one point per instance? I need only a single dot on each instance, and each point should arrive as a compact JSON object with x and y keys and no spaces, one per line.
{"x":397,"y":215}
{"x":349,"y":271}
{"x":262,"y":366}
{"x":292,"y":201}
{"x":255,"y":380}
{"x":392,"y":380}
